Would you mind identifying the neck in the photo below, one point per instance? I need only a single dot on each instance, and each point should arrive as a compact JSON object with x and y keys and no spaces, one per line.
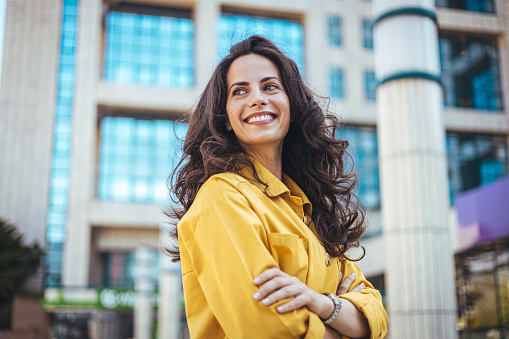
{"x":271,"y":160}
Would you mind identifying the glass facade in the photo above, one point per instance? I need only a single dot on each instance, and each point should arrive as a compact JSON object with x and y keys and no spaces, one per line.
{"x":136,"y":158}
{"x":474,"y":160}
{"x":471,"y":73}
{"x":61,"y":161}
{"x":485,"y":6}
{"x":336,"y":85}
{"x":335,"y":38}
{"x":367,"y":33}
{"x":286,"y":34}
{"x":363,"y":148}
{"x":482,"y":282}
{"x":149,"y":48}
{"x":370,"y":85}
{"x":119,"y":268}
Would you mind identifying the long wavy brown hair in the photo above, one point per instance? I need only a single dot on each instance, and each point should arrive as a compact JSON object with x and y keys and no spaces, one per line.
{"x":312,"y":156}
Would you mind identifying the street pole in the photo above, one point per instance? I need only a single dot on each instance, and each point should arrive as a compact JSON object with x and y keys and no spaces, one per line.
{"x":144,"y":286}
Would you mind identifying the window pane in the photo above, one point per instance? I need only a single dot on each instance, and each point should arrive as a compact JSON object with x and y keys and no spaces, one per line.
{"x":471,"y":73}
{"x":149,"y":50}
{"x":367,"y":33}
{"x":119,"y":268}
{"x":370,"y":85}
{"x":486,"y":6}
{"x":337,"y":89}
{"x":364,"y":151}
{"x":474,"y":160}
{"x":335,"y":31}
{"x":136,"y":158}
{"x":286,"y":34}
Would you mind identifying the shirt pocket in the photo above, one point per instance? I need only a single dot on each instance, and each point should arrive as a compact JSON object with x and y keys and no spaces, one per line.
{"x":291,"y":254}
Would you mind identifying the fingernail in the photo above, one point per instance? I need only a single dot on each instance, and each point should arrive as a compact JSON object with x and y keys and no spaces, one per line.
{"x":362,"y":285}
{"x":257,"y":295}
{"x":353,"y":275}
{"x":281,"y":308}
{"x":266,"y":301}
{"x":257,"y":280}
{"x":340,"y":275}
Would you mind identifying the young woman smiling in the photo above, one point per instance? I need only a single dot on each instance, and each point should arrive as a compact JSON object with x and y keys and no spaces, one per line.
{"x":268,"y":211}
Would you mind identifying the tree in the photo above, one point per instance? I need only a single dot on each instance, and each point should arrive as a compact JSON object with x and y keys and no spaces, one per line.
{"x":17,"y":260}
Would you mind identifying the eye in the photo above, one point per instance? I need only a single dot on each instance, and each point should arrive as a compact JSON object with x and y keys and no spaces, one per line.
{"x":269,"y":87}
{"x":238,"y":91}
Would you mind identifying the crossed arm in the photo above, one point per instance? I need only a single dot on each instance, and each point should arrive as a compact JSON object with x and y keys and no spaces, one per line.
{"x":275,"y":285}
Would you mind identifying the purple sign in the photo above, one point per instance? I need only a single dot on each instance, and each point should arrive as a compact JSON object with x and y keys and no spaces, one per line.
{"x":483,"y":213}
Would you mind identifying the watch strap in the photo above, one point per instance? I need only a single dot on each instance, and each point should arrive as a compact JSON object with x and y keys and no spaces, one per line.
{"x":338,"y":304}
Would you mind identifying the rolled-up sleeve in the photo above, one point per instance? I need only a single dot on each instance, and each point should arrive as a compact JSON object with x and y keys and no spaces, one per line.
{"x":226,"y":247}
{"x":368,"y":301}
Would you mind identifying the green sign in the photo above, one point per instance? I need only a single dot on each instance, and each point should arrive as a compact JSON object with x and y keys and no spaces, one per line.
{"x":102,"y":298}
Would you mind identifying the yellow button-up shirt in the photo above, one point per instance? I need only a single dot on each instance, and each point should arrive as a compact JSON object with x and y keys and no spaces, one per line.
{"x":237,"y":229}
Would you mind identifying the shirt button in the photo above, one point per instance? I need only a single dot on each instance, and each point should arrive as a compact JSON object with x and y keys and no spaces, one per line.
{"x":327,"y":259}
{"x":305,"y":219}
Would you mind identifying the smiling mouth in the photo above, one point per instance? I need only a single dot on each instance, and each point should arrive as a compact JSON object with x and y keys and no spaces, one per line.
{"x":266,"y":117}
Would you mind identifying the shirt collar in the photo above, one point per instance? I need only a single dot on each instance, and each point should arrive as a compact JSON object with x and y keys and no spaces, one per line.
{"x":276,"y":187}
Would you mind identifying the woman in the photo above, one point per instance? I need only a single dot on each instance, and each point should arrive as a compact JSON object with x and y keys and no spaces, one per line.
{"x":268,"y":211}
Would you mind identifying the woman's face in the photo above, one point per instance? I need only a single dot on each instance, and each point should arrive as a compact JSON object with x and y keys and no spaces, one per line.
{"x":257,"y":106}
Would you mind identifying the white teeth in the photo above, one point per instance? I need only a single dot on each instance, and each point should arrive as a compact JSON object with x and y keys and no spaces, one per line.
{"x":261,"y":118}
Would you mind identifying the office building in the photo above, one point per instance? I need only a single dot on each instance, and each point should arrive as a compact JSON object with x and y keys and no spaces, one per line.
{"x":92,"y":91}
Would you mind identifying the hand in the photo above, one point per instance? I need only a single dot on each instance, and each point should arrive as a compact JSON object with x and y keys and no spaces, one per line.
{"x":275,"y":285}
{"x":344,"y":285}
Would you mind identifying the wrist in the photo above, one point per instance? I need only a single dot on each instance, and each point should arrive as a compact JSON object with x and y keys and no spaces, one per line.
{"x":327,"y":307}
{"x":338,"y":304}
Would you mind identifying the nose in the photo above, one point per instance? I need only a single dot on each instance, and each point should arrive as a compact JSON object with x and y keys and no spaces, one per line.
{"x":258,"y":98}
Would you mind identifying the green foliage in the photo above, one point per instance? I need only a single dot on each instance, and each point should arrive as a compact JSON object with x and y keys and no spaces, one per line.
{"x":17,"y":260}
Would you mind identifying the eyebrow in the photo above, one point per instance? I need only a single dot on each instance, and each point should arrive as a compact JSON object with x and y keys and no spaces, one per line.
{"x":245,"y":83}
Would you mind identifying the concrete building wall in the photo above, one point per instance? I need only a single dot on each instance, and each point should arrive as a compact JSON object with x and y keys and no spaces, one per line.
{"x":27,"y":105}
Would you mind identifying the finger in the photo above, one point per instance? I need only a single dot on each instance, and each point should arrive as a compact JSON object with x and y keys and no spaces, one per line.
{"x":345,"y":285}
{"x":339,"y":283}
{"x":271,"y":286}
{"x":300,"y":301}
{"x":267,"y":275}
{"x":283,"y":293}
{"x":358,"y":287}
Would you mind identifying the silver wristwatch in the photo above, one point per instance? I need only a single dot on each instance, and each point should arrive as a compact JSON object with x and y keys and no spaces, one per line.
{"x":338,"y":304}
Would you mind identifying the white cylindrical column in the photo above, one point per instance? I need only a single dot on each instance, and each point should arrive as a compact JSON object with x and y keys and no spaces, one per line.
{"x":144,"y":286}
{"x":414,"y":186}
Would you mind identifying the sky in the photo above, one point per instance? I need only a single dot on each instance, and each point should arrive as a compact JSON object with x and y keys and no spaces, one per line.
{"x":3,"y":5}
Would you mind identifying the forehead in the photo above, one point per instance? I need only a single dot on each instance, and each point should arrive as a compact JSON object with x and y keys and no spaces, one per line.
{"x":252,"y":67}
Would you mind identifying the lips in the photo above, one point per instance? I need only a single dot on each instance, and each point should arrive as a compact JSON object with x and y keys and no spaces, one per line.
{"x":263,"y":117}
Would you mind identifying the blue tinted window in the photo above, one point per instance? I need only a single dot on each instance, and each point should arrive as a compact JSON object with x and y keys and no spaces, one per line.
{"x":367,"y":33}
{"x":474,"y":160}
{"x":364,"y":151}
{"x":149,"y":50}
{"x":471,"y":73}
{"x":59,"y":182}
{"x":337,"y":88}
{"x":136,"y":158}
{"x":486,"y":6}
{"x":335,"y":31}
{"x":370,"y":85}
{"x":286,"y":34}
